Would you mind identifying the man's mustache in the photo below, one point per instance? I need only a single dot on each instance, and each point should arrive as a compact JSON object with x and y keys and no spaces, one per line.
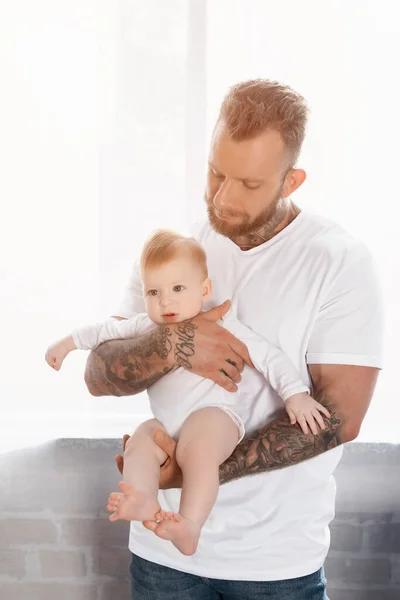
{"x":222,"y":213}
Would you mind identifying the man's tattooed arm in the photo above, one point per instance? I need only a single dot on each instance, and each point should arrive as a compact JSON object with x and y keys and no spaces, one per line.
{"x":127,"y":367}
{"x":280,"y":444}
{"x":345,"y":390}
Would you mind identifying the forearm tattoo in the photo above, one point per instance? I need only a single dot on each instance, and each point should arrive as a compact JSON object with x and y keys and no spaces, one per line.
{"x":280,"y":444}
{"x":184,"y":347}
{"x":126,"y":367}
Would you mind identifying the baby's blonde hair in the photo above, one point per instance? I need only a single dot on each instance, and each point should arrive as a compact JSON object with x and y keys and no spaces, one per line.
{"x":164,"y":245}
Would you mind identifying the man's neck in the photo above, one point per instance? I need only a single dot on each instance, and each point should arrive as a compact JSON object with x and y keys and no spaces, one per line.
{"x":284,"y":214}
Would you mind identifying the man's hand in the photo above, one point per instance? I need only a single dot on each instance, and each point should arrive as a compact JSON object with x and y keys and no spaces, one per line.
{"x":170,"y":475}
{"x":119,"y":459}
{"x":207,"y":349}
{"x":130,"y":366}
{"x":345,"y":390}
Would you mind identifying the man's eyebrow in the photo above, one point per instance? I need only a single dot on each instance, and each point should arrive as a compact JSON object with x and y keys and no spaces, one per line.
{"x":243,"y":179}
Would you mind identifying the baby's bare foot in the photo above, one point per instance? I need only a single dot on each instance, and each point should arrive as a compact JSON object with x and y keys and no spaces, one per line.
{"x":132,"y":505}
{"x":180,"y":531}
{"x":169,"y":516}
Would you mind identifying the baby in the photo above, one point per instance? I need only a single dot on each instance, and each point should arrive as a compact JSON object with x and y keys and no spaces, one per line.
{"x":206,"y":420}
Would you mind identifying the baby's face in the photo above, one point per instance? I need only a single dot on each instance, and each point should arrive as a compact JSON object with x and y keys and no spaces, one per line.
{"x":175,"y":291}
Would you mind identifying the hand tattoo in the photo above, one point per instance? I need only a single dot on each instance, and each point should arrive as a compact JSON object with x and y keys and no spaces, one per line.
{"x":184,"y":347}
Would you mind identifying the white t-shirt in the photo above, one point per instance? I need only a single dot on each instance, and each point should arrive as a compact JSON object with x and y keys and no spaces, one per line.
{"x":312,"y":291}
{"x":179,"y":393}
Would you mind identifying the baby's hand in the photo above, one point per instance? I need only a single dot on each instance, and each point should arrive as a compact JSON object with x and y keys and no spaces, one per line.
{"x":57,"y":352}
{"x":303,"y":409}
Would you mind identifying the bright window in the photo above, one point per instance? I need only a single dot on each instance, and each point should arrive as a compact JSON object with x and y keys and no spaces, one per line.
{"x":342,"y":56}
{"x":106,"y":112}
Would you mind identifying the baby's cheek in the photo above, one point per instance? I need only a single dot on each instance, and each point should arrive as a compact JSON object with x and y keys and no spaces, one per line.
{"x":196,"y":306}
{"x":151,"y":309}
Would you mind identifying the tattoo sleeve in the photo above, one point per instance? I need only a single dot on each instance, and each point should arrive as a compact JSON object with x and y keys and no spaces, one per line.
{"x":127,"y":367}
{"x":280,"y":444}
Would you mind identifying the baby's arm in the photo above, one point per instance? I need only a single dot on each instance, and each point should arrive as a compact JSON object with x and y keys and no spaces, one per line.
{"x":283,"y":377}
{"x":58,"y":351}
{"x":306,"y":411}
{"x":91,"y":336}
{"x":87,"y":338}
{"x":270,"y":360}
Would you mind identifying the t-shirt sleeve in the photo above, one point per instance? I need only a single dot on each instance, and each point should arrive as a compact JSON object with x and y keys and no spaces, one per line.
{"x":349,"y":326}
{"x":132,"y":301}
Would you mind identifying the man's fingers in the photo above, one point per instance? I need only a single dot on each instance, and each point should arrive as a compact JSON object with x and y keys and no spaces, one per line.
{"x":120,"y":462}
{"x":241,"y":349}
{"x":119,"y":459}
{"x":224,"y":381}
{"x":165,"y":442}
{"x":231,"y":371}
{"x":236,"y":361}
{"x":216,"y":313}
{"x":125,"y":440}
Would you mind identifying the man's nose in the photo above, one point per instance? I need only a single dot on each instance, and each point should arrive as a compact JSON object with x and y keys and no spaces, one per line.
{"x":223,"y":198}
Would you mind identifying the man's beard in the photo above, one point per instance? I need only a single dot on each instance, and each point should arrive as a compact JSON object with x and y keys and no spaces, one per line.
{"x":246,"y":225}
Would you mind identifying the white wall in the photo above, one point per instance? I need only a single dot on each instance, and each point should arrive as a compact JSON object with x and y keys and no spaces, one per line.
{"x":93,"y":109}
{"x":343,"y":57}
{"x":105,"y":111}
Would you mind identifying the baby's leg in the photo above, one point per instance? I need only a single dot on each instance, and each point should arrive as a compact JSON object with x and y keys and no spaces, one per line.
{"x":142,"y":459}
{"x":207,"y":438}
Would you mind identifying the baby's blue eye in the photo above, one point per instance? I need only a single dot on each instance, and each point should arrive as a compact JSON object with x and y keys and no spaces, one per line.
{"x":178,"y":288}
{"x":152,"y":293}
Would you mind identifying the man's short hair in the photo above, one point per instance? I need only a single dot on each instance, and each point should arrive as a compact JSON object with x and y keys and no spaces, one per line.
{"x":252,"y":107}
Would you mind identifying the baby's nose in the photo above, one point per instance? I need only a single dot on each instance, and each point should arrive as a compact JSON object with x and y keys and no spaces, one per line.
{"x":164,"y":300}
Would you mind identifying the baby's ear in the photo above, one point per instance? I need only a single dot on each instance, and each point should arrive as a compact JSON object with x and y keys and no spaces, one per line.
{"x":207,"y":289}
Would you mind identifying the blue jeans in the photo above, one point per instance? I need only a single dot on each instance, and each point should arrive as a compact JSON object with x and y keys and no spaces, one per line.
{"x":155,"y":582}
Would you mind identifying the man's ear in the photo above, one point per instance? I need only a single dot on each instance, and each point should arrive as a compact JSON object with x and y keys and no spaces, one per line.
{"x":294,"y":179}
{"x":207,"y":289}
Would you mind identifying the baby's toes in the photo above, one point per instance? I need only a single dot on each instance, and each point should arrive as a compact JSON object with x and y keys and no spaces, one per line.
{"x":114,"y":497}
{"x":111,"y":506}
